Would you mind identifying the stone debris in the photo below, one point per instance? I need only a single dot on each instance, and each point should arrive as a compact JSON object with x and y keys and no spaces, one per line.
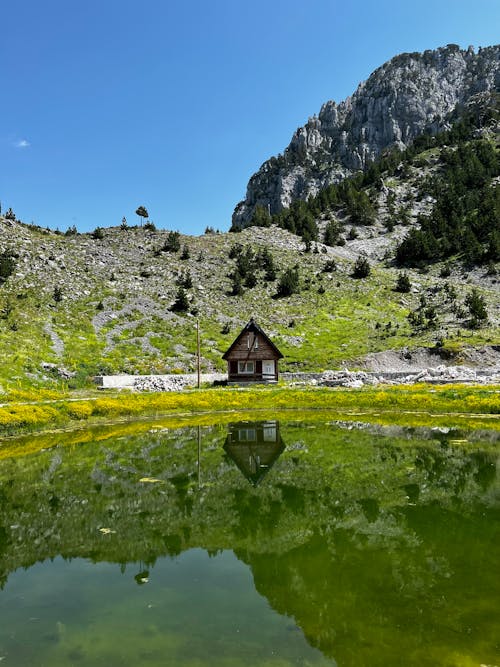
{"x":58,"y":370}
{"x":173,"y":382}
{"x":356,"y":379}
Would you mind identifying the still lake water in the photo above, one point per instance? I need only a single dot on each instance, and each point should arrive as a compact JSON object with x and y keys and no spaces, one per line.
{"x":257,"y":543}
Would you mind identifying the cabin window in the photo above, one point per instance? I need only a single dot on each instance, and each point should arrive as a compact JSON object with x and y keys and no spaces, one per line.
{"x":247,"y":435}
{"x":248,"y":342}
{"x":256,"y":343}
{"x":245,"y":367}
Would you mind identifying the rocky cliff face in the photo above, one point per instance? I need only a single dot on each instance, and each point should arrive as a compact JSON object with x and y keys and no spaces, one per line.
{"x":411,"y":94}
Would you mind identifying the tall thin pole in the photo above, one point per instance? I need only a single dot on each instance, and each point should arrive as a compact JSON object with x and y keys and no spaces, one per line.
{"x":199,"y":456}
{"x":198,"y":349}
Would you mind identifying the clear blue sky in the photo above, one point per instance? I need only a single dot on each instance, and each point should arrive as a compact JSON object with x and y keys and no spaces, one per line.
{"x":110,"y":104}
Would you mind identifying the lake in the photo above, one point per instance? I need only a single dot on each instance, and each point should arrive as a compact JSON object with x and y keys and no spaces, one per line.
{"x":258,"y":543}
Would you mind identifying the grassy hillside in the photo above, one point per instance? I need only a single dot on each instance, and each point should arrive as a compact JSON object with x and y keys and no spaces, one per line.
{"x":126,"y":299}
{"x":105,"y":305}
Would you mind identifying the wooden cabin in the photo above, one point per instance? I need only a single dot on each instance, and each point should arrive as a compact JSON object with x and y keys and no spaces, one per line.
{"x":254,"y":447}
{"x":252,"y":357}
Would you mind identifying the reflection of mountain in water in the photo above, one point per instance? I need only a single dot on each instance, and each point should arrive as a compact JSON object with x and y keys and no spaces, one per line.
{"x":254,"y":447}
{"x":350,"y":534}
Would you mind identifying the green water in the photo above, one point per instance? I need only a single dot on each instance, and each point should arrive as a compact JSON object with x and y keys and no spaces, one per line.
{"x":267,"y":544}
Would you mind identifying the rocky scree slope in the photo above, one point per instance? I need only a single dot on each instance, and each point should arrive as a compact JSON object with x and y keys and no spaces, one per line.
{"x":411,"y":94}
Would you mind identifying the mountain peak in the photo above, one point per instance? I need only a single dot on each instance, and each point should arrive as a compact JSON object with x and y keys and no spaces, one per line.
{"x":410,"y":94}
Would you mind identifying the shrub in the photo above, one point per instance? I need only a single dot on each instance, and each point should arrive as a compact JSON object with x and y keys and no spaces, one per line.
{"x":445,"y":271}
{"x":184,"y":279}
{"x":361,"y":267}
{"x":79,"y":410}
{"x":7,"y":266}
{"x":403,"y":283}
{"x":98,"y":233}
{"x":250,"y":280}
{"x":57,"y":294}
{"x":150,"y":226}
{"x":330,"y":266}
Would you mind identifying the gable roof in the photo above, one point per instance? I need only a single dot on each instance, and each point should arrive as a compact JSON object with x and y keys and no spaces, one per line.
{"x":252,"y":326}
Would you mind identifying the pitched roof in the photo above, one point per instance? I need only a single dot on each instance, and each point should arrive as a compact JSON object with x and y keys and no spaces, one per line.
{"x":252,"y":326}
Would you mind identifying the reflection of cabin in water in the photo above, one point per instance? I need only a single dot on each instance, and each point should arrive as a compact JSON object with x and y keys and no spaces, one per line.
{"x":254,"y":447}
{"x":252,"y":357}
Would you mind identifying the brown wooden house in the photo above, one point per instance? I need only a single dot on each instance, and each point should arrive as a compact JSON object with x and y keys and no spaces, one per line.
{"x":252,"y":357}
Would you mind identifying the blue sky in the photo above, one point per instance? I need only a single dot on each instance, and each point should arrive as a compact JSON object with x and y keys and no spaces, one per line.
{"x":112,"y":104}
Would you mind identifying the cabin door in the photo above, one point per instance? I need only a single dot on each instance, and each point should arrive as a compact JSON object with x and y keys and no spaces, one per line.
{"x":268,"y":369}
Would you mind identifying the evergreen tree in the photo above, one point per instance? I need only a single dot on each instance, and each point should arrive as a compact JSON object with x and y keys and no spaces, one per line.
{"x":98,"y":233}
{"x":477,"y":308}
{"x":181,"y":303}
{"x":142,"y":212}
{"x":261,"y":217}
{"x":288,"y":283}
{"x":172,"y":243}
{"x":237,"y":284}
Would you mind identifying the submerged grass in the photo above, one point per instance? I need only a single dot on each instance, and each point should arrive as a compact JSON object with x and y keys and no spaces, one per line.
{"x":416,"y":405}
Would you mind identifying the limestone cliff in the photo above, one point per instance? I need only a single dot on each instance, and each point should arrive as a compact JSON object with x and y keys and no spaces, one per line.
{"x":410,"y":94}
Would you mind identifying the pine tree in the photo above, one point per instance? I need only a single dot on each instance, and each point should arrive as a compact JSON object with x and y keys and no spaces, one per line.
{"x":142,"y":212}
{"x":173,"y":243}
{"x":181,"y":303}
{"x":288,"y":283}
{"x":477,"y":308}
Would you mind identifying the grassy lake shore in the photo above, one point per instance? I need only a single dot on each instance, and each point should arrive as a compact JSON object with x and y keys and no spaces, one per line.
{"x":470,"y":406}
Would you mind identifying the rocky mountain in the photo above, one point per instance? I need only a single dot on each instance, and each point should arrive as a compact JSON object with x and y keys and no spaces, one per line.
{"x":411,"y":94}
